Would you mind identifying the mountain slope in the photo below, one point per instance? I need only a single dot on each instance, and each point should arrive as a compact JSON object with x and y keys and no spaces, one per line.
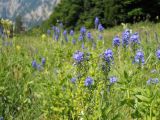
{"x":33,"y":12}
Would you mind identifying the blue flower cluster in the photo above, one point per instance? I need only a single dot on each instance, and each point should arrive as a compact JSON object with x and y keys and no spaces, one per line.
{"x":96,"y":22}
{"x":65,"y":35}
{"x":88,"y":81}
{"x":153,"y":81}
{"x":78,"y":56}
{"x":73,"y":80}
{"x":125,"y":37}
{"x":108,"y":55}
{"x":139,"y":57}
{"x":71,"y":32}
{"x":56,"y":32}
{"x":135,"y":38}
{"x":100,"y":27}
{"x":116,"y":41}
{"x":83,"y":31}
{"x":37,"y":66}
{"x":113,"y":80}
{"x":89,"y":36}
{"x":158,"y":54}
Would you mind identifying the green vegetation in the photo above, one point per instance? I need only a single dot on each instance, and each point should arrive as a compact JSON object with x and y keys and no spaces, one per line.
{"x":45,"y":92}
{"x":74,"y":13}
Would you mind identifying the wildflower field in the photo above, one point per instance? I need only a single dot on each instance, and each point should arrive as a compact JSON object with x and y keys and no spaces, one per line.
{"x":98,"y":74}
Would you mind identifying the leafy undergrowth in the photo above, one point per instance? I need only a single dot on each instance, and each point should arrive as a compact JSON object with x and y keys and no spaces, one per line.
{"x":45,"y":79}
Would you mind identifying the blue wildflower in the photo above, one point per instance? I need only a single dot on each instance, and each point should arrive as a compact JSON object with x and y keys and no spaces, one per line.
{"x":80,"y":38}
{"x":83,"y":31}
{"x":53,"y":28}
{"x":116,"y":41}
{"x":43,"y":61}
{"x":57,"y":30}
{"x":152,"y":81}
{"x":135,"y":38}
{"x":56,"y":33}
{"x":65,"y":35}
{"x":48,"y":32}
{"x":57,"y":37}
{"x":158,"y":54}
{"x":65,"y":32}
{"x":108,"y":55}
{"x":34,"y":64}
{"x":61,"y":24}
{"x":89,"y":36}
{"x":39,"y":67}
{"x":100,"y":27}
{"x":96,"y":22}
{"x":83,"y":46}
{"x":71,"y":33}
{"x":139,"y":57}
{"x":125,"y":37}
{"x":112,"y":79}
{"x":78,"y":56}
{"x":100,"y":37}
{"x":73,"y":80}
{"x":73,"y":41}
{"x":88,"y":81}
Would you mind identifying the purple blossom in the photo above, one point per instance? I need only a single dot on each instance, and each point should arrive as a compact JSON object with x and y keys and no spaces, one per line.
{"x":73,"y":80}
{"x":65,"y":35}
{"x":158,"y":54}
{"x":65,"y":32}
{"x":83,"y":31}
{"x":71,"y":33}
{"x":108,"y":55}
{"x":135,"y":38}
{"x":152,"y":81}
{"x":78,"y":56}
{"x":88,"y":81}
{"x":96,"y":22}
{"x":100,"y":37}
{"x":83,"y":46}
{"x":48,"y":32}
{"x":61,"y":24}
{"x":112,"y":79}
{"x":100,"y":27}
{"x":89,"y":36}
{"x":43,"y":61}
{"x":139,"y":57}
{"x":73,"y":41}
{"x":57,"y":37}
{"x":39,"y":67}
{"x":125,"y":37}
{"x":34,"y":64}
{"x":116,"y":41}
{"x":53,"y":28}
{"x":57,"y":30}
{"x":80,"y":37}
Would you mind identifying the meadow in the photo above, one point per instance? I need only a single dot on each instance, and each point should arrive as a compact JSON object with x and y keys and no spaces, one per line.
{"x":104,"y":74}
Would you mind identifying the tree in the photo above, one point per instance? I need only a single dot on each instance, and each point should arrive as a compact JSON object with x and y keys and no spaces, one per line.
{"x":75,"y":13}
{"x":18,"y":24}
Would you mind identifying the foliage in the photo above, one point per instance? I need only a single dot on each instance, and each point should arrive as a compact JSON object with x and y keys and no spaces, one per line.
{"x":36,"y":76}
{"x":111,"y":12}
{"x":18,"y":24}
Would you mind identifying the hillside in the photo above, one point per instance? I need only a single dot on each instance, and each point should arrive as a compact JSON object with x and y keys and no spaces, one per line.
{"x":33,"y":12}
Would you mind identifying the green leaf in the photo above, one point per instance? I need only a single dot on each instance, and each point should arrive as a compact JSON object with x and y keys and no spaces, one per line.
{"x":143,"y":98}
{"x":126,"y":75}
